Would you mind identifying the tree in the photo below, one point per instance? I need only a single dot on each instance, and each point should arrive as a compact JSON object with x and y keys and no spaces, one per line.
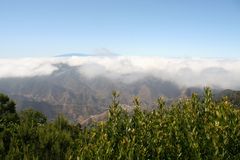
{"x":8,"y":120}
{"x":32,"y":117}
{"x":8,"y":113}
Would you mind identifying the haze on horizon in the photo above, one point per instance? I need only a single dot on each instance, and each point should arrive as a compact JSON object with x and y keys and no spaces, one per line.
{"x":185,"y":72}
{"x":161,"y":28}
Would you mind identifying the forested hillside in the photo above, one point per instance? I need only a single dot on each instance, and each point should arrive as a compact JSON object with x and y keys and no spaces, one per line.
{"x":191,"y":128}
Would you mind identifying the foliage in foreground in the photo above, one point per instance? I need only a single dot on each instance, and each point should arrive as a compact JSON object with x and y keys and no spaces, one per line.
{"x":191,"y":128}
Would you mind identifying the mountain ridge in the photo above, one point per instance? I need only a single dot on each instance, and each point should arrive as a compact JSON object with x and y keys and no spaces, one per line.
{"x":71,"y":93}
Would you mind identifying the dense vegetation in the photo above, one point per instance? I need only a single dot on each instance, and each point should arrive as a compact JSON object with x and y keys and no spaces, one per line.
{"x":194,"y":128}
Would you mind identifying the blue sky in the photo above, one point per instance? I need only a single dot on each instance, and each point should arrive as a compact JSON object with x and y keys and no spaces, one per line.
{"x":167,"y":28}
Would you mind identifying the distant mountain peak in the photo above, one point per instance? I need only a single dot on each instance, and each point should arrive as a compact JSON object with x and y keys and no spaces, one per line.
{"x":73,"y":55}
{"x":98,"y":53}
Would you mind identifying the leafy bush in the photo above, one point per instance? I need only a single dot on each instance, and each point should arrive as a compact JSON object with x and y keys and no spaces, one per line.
{"x":192,"y":128}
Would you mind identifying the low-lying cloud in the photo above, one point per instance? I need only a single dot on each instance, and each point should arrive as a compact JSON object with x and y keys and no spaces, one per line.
{"x":187,"y":72}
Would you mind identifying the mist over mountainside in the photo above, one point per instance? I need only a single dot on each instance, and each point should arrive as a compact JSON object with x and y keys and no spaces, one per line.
{"x":81,"y":86}
{"x":66,"y":91}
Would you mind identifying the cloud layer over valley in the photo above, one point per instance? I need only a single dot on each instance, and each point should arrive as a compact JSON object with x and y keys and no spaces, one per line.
{"x":188,"y":72}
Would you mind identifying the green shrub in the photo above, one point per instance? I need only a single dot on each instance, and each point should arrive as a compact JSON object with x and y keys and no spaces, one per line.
{"x":191,"y":128}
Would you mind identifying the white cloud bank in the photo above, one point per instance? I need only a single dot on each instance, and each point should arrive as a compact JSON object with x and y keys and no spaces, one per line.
{"x":224,"y":73}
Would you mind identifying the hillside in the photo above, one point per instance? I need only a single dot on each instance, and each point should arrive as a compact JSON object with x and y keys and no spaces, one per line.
{"x":67,"y":91}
